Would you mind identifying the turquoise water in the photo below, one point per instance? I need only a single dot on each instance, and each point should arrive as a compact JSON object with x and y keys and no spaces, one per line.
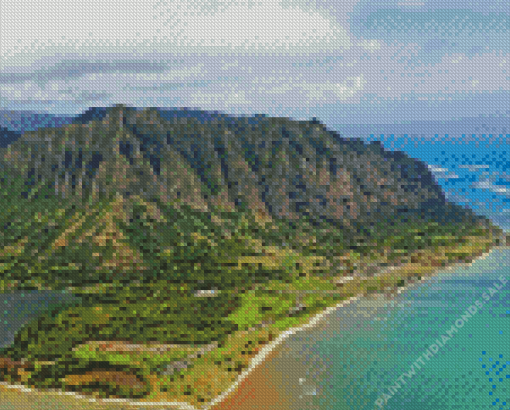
{"x":352,"y":358}
{"x":362,"y":349}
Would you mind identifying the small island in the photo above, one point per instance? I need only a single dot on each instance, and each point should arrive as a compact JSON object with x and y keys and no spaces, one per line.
{"x":185,"y":264}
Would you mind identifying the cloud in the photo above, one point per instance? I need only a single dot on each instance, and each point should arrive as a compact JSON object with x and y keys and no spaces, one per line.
{"x":317,"y":90}
{"x":222,"y":100}
{"x":31,"y":93}
{"x":399,"y":73}
{"x":71,"y":68}
{"x":33,"y":29}
{"x":370,"y":45}
{"x":438,"y":27}
{"x":227,"y":66}
{"x":148,"y":52}
{"x":191,"y":77}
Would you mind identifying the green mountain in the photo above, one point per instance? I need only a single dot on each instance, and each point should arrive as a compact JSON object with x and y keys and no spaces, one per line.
{"x":125,"y":191}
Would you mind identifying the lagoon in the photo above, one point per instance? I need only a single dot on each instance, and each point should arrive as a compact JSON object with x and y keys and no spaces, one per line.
{"x":18,"y":307}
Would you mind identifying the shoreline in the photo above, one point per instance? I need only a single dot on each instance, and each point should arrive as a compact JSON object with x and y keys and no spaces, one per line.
{"x":259,"y":358}
{"x":271,"y":349}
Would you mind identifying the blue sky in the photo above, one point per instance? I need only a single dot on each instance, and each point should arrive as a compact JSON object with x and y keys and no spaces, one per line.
{"x":348,"y":61}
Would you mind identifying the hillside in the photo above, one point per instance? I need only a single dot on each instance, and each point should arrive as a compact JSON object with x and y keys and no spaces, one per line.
{"x":120,"y":188}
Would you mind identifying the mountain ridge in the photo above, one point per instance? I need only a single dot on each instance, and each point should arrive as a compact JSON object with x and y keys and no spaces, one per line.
{"x":275,"y":170}
{"x":140,"y":130}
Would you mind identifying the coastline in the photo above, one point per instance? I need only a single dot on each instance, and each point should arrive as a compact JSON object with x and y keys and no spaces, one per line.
{"x":237,"y":389}
{"x":270,"y":349}
{"x":230,"y":398}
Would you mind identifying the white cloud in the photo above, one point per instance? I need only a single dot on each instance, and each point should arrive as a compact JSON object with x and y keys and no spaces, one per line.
{"x":227,"y":66}
{"x":317,"y":91}
{"x":194,"y":71}
{"x":222,"y":100}
{"x":30,"y":91}
{"x":370,"y":45}
{"x":349,"y":87}
{"x":30,"y":29}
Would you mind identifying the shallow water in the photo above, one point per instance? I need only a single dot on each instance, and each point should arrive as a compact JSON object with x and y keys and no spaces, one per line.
{"x":361,"y":350}
{"x":351,"y":358}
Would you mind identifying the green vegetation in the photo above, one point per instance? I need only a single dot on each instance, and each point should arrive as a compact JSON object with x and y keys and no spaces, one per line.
{"x":182,"y":320}
{"x":137,"y":251}
{"x":162,"y":310}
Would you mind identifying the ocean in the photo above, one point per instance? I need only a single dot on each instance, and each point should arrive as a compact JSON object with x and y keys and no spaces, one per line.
{"x":353,"y":361}
{"x":471,"y":162}
{"x":380,"y":353}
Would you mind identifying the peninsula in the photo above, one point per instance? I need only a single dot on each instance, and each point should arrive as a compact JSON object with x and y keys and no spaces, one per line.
{"x":193,"y":239}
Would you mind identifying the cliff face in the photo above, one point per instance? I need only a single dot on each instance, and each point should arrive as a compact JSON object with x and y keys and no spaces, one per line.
{"x":284,"y":168}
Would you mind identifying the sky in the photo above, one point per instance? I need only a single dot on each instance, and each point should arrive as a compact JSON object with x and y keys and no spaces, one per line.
{"x":349,"y":61}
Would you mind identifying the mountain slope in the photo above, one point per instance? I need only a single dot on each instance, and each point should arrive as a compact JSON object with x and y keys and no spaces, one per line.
{"x":135,"y":210}
{"x":125,"y":190}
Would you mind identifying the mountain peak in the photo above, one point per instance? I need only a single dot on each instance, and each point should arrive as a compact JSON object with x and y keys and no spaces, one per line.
{"x":114,"y":113}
